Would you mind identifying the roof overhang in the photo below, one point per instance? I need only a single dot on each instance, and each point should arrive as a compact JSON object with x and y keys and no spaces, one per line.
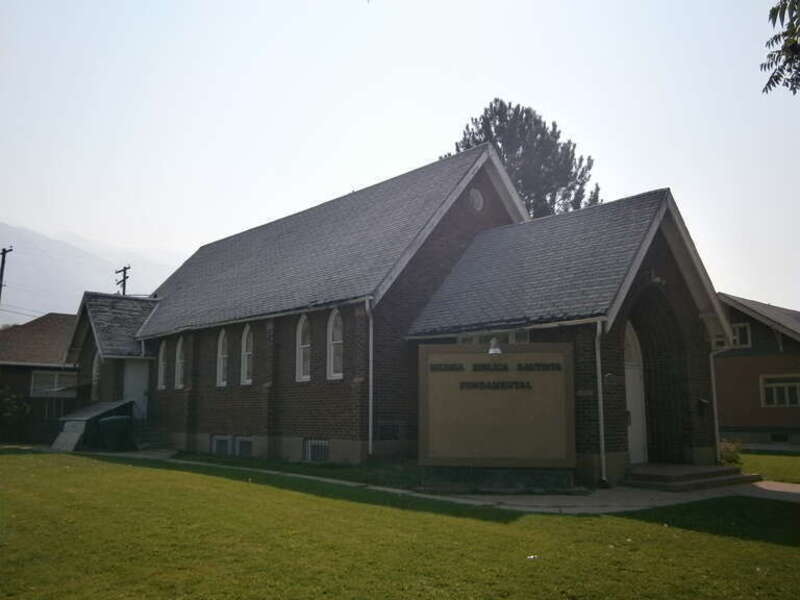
{"x":63,"y":366}
{"x":732,"y":302}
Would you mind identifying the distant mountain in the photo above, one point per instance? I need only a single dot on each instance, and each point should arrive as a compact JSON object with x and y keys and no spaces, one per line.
{"x":44,"y":274}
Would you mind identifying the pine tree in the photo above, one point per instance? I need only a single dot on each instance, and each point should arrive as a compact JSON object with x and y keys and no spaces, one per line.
{"x":548,"y":175}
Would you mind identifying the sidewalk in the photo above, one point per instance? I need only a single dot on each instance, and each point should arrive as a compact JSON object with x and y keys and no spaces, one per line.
{"x":617,"y":499}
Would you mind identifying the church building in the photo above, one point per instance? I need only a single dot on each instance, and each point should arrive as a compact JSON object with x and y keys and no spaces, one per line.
{"x":427,"y":316}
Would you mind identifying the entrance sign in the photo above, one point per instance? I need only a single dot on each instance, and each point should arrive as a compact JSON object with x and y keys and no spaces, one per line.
{"x":514,"y":409}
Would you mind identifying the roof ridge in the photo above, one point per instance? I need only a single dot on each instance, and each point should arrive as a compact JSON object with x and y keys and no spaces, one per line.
{"x":575,"y":212}
{"x":127,"y":296}
{"x":372,"y":185}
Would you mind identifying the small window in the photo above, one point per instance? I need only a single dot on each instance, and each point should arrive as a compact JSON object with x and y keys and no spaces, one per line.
{"x":335,"y":345}
{"x":247,"y":356}
{"x":221,"y":445}
{"x":303,"y":357}
{"x":476,"y":200}
{"x":222,"y":359}
{"x":741,"y":335}
{"x":780,"y":391}
{"x":162,"y":365}
{"x":96,"y":364}
{"x":244,"y":446}
{"x":180,"y":364}
{"x":315,"y":450}
{"x":53,"y":384}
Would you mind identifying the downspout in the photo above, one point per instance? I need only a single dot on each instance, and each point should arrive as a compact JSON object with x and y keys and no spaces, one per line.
{"x":711,"y":356}
{"x":369,"y":378}
{"x":600,"y":409}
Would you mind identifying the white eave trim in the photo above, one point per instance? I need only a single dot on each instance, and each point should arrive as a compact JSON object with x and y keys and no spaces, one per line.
{"x":62,"y":366}
{"x":636,"y":264}
{"x":669,"y":206}
{"x":472,"y":332}
{"x":261,"y":317}
{"x":760,"y":317}
{"x":508,"y":195}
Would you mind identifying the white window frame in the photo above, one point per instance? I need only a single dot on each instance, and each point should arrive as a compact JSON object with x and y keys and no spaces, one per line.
{"x":735,"y":340}
{"x":227,"y":438}
{"x":180,"y":365}
{"x":162,"y":366}
{"x":222,"y":358}
{"x":334,"y":375}
{"x":246,"y":356}
{"x":763,"y":385}
{"x":57,"y":390}
{"x":96,"y":371}
{"x":237,"y":443}
{"x":299,"y":347}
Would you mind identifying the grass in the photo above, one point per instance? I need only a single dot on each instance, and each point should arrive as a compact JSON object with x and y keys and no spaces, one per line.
{"x":773,"y":466}
{"x":85,"y":527}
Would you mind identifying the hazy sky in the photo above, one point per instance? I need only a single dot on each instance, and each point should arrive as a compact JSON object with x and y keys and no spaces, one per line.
{"x":166,"y":125}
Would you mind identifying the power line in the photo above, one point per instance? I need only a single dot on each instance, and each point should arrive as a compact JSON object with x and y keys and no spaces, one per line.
{"x":18,"y":307}
{"x":17,"y":312}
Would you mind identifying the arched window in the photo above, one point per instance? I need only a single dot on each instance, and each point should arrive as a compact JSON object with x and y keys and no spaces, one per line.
{"x":303,"y":358}
{"x":222,"y":359}
{"x":162,"y":365}
{"x":335,"y":345}
{"x":96,"y":364}
{"x":180,"y":364}
{"x":247,"y":356}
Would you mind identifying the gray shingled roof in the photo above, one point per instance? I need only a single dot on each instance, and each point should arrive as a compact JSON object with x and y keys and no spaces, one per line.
{"x":41,"y":341}
{"x":115,"y":320}
{"x":337,"y":251}
{"x":769,"y":314}
{"x":557,"y":268}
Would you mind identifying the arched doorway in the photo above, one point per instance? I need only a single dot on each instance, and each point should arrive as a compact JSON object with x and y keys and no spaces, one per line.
{"x":634,"y":398}
{"x":664,"y":375}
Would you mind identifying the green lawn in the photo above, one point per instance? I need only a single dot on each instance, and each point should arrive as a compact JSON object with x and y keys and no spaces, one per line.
{"x":776,"y":467}
{"x":83,"y":527}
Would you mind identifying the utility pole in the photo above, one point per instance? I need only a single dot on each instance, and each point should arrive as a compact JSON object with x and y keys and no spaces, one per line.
{"x":123,"y":282}
{"x":4,"y":251}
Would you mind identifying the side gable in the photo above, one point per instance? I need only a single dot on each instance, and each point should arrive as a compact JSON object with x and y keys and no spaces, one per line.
{"x":783,"y":320}
{"x":40,"y":342}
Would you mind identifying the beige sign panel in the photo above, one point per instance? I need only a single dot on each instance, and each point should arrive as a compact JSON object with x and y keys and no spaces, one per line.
{"x":514,"y":409}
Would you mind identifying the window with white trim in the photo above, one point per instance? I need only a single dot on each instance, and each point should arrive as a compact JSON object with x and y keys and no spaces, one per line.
{"x":222,"y":359}
{"x":96,"y":364}
{"x":335,"y":345}
{"x":162,"y":365}
{"x":244,"y":446}
{"x":741,"y":335}
{"x":315,"y":450}
{"x":180,"y":364}
{"x":221,"y":445}
{"x":246,"y":377}
{"x":303,"y":345}
{"x":780,"y":391}
{"x":53,"y":384}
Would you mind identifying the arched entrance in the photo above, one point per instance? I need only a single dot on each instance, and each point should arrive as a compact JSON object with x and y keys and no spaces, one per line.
{"x":664,"y":375}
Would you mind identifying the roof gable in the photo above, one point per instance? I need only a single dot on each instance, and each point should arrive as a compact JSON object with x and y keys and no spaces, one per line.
{"x":42,"y":341}
{"x":784,"y":320}
{"x":564,"y":268}
{"x":345,"y":249}
{"x":113,"y":320}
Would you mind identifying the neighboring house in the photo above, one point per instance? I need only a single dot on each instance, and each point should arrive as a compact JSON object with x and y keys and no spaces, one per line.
{"x":32,"y":367}
{"x":300,"y":339}
{"x":758,"y":376}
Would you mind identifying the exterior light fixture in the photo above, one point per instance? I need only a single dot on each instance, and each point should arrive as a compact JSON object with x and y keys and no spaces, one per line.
{"x":494,"y":347}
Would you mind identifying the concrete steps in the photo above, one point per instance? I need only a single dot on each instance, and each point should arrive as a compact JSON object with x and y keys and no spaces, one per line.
{"x":683,"y":478}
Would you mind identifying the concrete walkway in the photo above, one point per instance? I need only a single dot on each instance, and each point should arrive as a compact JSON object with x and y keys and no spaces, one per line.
{"x":614,"y":500}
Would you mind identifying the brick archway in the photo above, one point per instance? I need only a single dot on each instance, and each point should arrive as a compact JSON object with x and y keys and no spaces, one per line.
{"x":665,"y":374}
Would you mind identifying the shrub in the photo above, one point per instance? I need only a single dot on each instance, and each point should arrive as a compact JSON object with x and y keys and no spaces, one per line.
{"x":729,"y":452}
